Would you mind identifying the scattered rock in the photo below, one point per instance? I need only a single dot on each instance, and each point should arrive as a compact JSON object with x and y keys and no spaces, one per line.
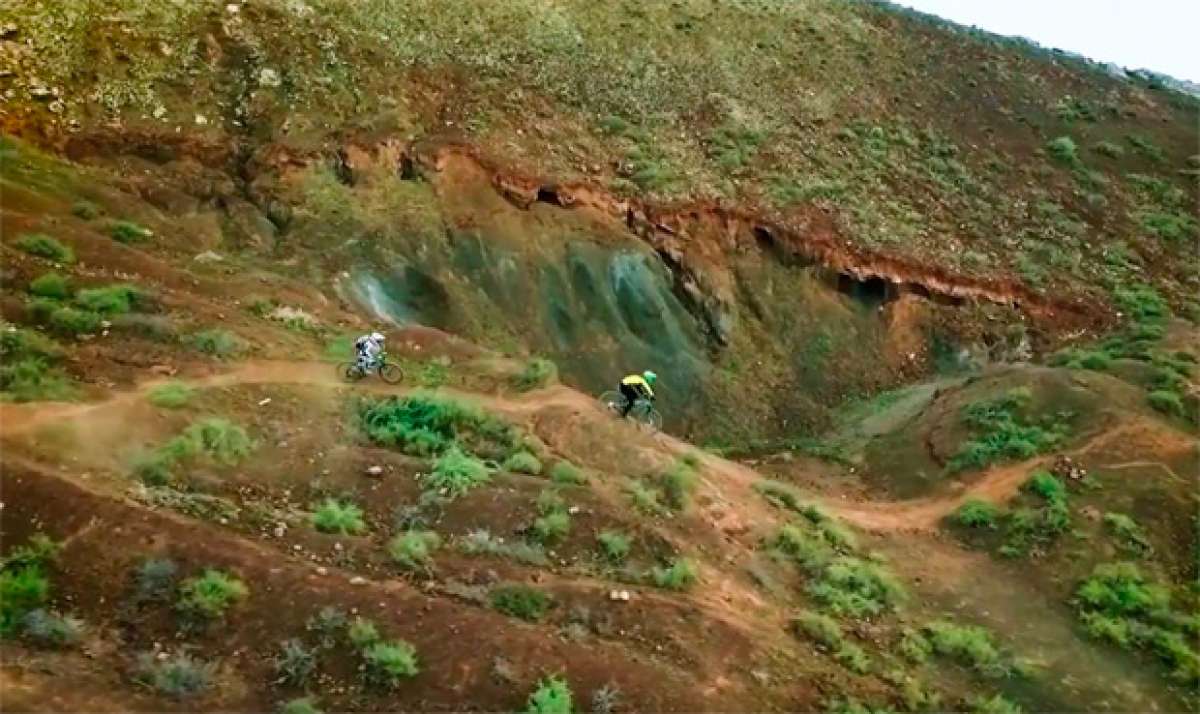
{"x":165,"y":370}
{"x":208,"y":256}
{"x":268,"y":77}
{"x":374,"y":471}
{"x":264,"y":402}
{"x":358,"y":580}
{"x":201,"y":120}
{"x":1090,"y":512}
{"x":322,"y":570}
{"x":8,"y":30}
{"x":573,"y":510}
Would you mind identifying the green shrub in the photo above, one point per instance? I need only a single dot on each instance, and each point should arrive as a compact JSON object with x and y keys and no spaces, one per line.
{"x":413,"y":549}
{"x":1116,"y":630}
{"x":678,"y":483}
{"x":301,"y":705}
{"x":681,"y":574}
{"x":520,"y":601}
{"x":537,"y":373}
{"x":110,"y":299}
{"x":208,"y":596}
{"x":129,"y":232}
{"x":159,"y":328}
{"x":31,"y":379}
{"x":326,"y":624}
{"x":780,"y":495}
{"x":523,"y":462}
{"x":1146,"y":148}
{"x":1109,"y":149}
{"x":48,"y":629}
{"x":975,"y":513}
{"x":1002,"y":433}
{"x":853,"y":658}
{"x":481,"y":542}
{"x":51,"y":285}
{"x":914,"y":646}
{"x":803,"y":545}
{"x":178,"y":677}
{"x":551,"y":527}
{"x":44,"y":246}
{"x":969,"y":645}
{"x":1122,"y":589}
{"x":219,"y":439}
{"x":995,"y":704}
{"x":333,"y":516}
{"x":426,"y":425}
{"x":70,"y":322}
{"x":645,"y":498}
{"x":1064,"y":150}
{"x":217,"y":343}
{"x":171,"y":395}
{"x":1129,"y":534}
{"x":22,"y":589}
{"x":1142,"y":303}
{"x":821,"y":628}
{"x":852,"y":586}
{"x":362,"y":633}
{"x":389,"y":663}
{"x":552,"y":696}
{"x":455,"y":473}
{"x":154,"y":580}
{"x":1096,"y":360}
{"x":614,"y":545}
{"x":1167,"y":402}
{"x":295,"y":663}
{"x":85,"y":210}
{"x":1046,"y":485}
{"x":567,"y":473}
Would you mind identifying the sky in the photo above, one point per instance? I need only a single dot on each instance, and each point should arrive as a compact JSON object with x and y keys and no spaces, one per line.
{"x":1159,"y":35}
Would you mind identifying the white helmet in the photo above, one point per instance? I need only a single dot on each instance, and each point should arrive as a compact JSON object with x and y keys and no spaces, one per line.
{"x":377,"y":337}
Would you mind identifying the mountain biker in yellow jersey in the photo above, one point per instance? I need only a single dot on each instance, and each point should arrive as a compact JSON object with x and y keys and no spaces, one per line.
{"x":635,"y":387}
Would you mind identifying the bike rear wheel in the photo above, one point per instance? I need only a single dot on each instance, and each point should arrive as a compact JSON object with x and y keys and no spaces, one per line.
{"x":647,"y":416}
{"x":390,"y":373}
{"x":349,"y":372}
{"x":613,"y":401}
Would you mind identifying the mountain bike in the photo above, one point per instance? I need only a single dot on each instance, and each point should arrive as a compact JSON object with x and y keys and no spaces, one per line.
{"x":643,"y":411}
{"x":388,"y":372}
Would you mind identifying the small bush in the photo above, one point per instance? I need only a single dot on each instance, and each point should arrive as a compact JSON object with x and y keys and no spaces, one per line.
{"x":520,"y":601}
{"x":171,"y":395}
{"x":780,"y":495}
{"x":209,"y":596}
{"x":217,"y":343}
{"x":605,"y":699}
{"x":362,"y":633}
{"x":44,"y":246}
{"x":523,"y":462}
{"x":678,"y":483}
{"x":154,"y":580}
{"x":681,"y":574}
{"x":326,"y":624}
{"x":1167,"y":402}
{"x":614,"y":545}
{"x":413,"y":550}
{"x":1109,"y":149}
{"x":455,"y":473}
{"x":302,"y":705}
{"x":1129,"y":534}
{"x":22,"y":589}
{"x":1121,"y":589}
{"x":567,"y":473}
{"x":552,"y":696}
{"x":178,"y":677}
{"x":425,"y":426}
{"x":85,"y":210}
{"x":852,"y":586}
{"x":129,"y":232}
{"x":295,"y":663}
{"x":551,"y":527}
{"x":31,"y":379}
{"x":820,"y":628}
{"x":50,"y":630}
{"x":111,"y":299}
{"x":971,"y":646}
{"x":800,"y":544}
{"x":537,"y":373}
{"x":159,"y":328}
{"x":1064,"y":150}
{"x":1046,"y":485}
{"x":995,"y":704}
{"x":217,"y":438}
{"x":645,"y":498}
{"x":50,"y":285}
{"x":1002,"y":433}
{"x":481,"y":542}
{"x":70,"y":322}
{"x":853,"y":658}
{"x":914,"y":646}
{"x":333,"y":516}
{"x":975,"y":513}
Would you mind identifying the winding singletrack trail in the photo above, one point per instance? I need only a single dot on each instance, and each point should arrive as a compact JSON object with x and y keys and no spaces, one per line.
{"x":914,"y":515}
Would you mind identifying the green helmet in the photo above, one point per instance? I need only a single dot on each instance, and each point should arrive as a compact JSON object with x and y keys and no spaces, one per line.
{"x":650,"y":377}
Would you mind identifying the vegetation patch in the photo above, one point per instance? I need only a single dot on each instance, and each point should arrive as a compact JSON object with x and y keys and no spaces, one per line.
{"x":425,"y":425}
{"x":49,"y":629}
{"x":614,"y":546}
{"x":24,"y":585}
{"x":567,"y":474}
{"x":179,"y":676}
{"x":975,"y":513}
{"x":28,"y":370}
{"x":171,"y":395}
{"x":520,"y":601}
{"x":129,"y":232}
{"x":1039,"y":526}
{"x":482,"y":542}
{"x":455,"y":473}
{"x":216,"y":343}
{"x":387,"y":664}
{"x":828,"y":634}
{"x":1120,"y":604}
{"x":43,"y":246}
{"x":215,"y":439}
{"x":333,"y":516}
{"x":51,"y":285}
{"x":1003,"y":433}
{"x":294,"y":664}
{"x":413,"y":549}
{"x":553,"y":522}
{"x":523,"y":462}
{"x":552,"y":696}
{"x":111,"y":300}
{"x":536,"y":374}
{"x":679,"y":574}
{"x":970,"y":646}
{"x":206,"y":598}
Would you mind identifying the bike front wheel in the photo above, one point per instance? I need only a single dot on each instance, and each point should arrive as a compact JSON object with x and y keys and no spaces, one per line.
{"x":391,"y":374}
{"x":349,"y":372}
{"x":648,"y":416}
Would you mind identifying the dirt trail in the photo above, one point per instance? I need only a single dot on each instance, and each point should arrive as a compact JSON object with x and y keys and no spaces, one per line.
{"x":922,"y":514}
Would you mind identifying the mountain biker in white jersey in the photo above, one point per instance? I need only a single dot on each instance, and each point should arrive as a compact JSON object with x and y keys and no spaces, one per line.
{"x":369,"y":347}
